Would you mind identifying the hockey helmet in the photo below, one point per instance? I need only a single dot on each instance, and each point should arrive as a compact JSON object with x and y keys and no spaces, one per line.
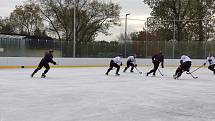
{"x":51,"y":50}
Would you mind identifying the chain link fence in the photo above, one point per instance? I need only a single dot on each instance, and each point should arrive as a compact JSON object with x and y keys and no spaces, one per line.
{"x":143,"y":49}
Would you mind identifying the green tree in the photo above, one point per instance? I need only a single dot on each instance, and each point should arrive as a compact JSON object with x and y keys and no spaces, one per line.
{"x":92,"y":17}
{"x":189,"y":16}
{"x":5,"y":26}
{"x":26,"y":19}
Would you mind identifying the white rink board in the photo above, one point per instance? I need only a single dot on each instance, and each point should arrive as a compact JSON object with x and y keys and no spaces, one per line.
{"x":33,"y":61}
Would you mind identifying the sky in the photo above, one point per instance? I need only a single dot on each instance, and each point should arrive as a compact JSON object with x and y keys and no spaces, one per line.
{"x":136,"y":8}
{"x":7,"y":6}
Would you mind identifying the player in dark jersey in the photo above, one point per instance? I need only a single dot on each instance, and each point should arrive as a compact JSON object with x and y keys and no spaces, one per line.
{"x":48,"y":58}
{"x":156,"y":60}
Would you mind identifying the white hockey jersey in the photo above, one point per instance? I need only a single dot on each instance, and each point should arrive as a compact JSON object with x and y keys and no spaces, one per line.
{"x":117,"y":60}
{"x":132,"y":59}
{"x":211,"y":60}
{"x":185,"y":58}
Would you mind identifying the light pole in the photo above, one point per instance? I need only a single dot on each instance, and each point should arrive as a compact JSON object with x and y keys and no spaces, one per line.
{"x":173,"y":42}
{"x":74,"y":29}
{"x":126,"y":18}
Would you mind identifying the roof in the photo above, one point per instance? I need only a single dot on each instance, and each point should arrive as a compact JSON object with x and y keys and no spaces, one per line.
{"x":12,"y":36}
{"x":38,"y":38}
{"x":17,"y":36}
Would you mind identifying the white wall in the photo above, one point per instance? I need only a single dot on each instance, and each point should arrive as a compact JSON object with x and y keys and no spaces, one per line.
{"x":34,"y":61}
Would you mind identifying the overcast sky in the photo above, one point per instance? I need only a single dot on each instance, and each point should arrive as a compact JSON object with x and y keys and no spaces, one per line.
{"x":136,"y":8}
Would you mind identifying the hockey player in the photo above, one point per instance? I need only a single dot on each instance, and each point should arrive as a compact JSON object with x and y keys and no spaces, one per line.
{"x":48,"y":58}
{"x":211,"y":61}
{"x":131,"y":61}
{"x":156,"y":60}
{"x":115,"y":62}
{"x":185,"y":62}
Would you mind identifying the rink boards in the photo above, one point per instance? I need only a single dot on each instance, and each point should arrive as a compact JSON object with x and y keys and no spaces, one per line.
{"x":31,"y":62}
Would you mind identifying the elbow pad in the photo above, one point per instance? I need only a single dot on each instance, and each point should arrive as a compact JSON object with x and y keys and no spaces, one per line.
{"x":181,"y":61}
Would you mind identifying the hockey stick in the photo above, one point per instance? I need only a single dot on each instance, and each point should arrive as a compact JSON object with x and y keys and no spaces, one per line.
{"x":160,"y":72}
{"x":195,"y":77}
{"x":196,"y":69}
{"x":138,"y":70}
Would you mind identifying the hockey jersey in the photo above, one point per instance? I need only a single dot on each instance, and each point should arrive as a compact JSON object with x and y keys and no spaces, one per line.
{"x":117,"y":60}
{"x":48,"y":57}
{"x":132,"y":59}
{"x":185,"y":58}
{"x":211,"y":60}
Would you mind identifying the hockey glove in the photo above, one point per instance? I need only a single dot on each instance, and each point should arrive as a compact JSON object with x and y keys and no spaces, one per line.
{"x":135,"y":65}
{"x":181,"y":62}
{"x":54,"y":63}
{"x":209,"y":60}
{"x":121,"y":64}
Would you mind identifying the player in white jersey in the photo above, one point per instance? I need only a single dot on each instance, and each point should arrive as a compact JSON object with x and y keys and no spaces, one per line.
{"x":211,"y":61}
{"x":185,"y":62}
{"x":115,"y":62}
{"x":131,"y":61}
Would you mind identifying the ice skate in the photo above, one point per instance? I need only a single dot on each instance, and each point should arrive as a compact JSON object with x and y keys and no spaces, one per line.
{"x":175,"y":76}
{"x":32,"y":74}
{"x":43,"y":76}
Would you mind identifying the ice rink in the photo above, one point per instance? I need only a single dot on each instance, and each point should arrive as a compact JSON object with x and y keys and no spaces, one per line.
{"x":87,"y":94}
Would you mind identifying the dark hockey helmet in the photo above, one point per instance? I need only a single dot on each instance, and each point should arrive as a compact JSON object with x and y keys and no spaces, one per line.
{"x":51,"y":50}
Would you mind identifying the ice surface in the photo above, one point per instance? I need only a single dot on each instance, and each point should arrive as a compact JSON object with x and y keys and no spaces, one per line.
{"x":87,"y":94}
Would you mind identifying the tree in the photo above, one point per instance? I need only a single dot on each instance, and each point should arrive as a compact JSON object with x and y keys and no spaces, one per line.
{"x":92,"y":17}
{"x":26,"y":19}
{"x":185,"y":13}
{"x":5,"y":26}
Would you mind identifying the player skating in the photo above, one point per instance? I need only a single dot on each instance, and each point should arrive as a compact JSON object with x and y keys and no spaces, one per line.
{"x":156,"y":60}
{"x":115,"y":62}
{"x":48,"y":58}
{"x":185,"y":62}
{"x":211,"y":61}
{"x":131,"y":61}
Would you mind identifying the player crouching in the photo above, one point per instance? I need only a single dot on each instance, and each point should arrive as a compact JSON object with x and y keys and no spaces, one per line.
{"x":115,"y":62}
{"x":211,"y":61}
{"x":185,"y":62}
{"x":131,"y":61}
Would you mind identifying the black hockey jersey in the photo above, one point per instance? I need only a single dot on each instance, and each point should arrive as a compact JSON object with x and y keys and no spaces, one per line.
{"x":49,"y":58}
{"x":157,"y":58}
